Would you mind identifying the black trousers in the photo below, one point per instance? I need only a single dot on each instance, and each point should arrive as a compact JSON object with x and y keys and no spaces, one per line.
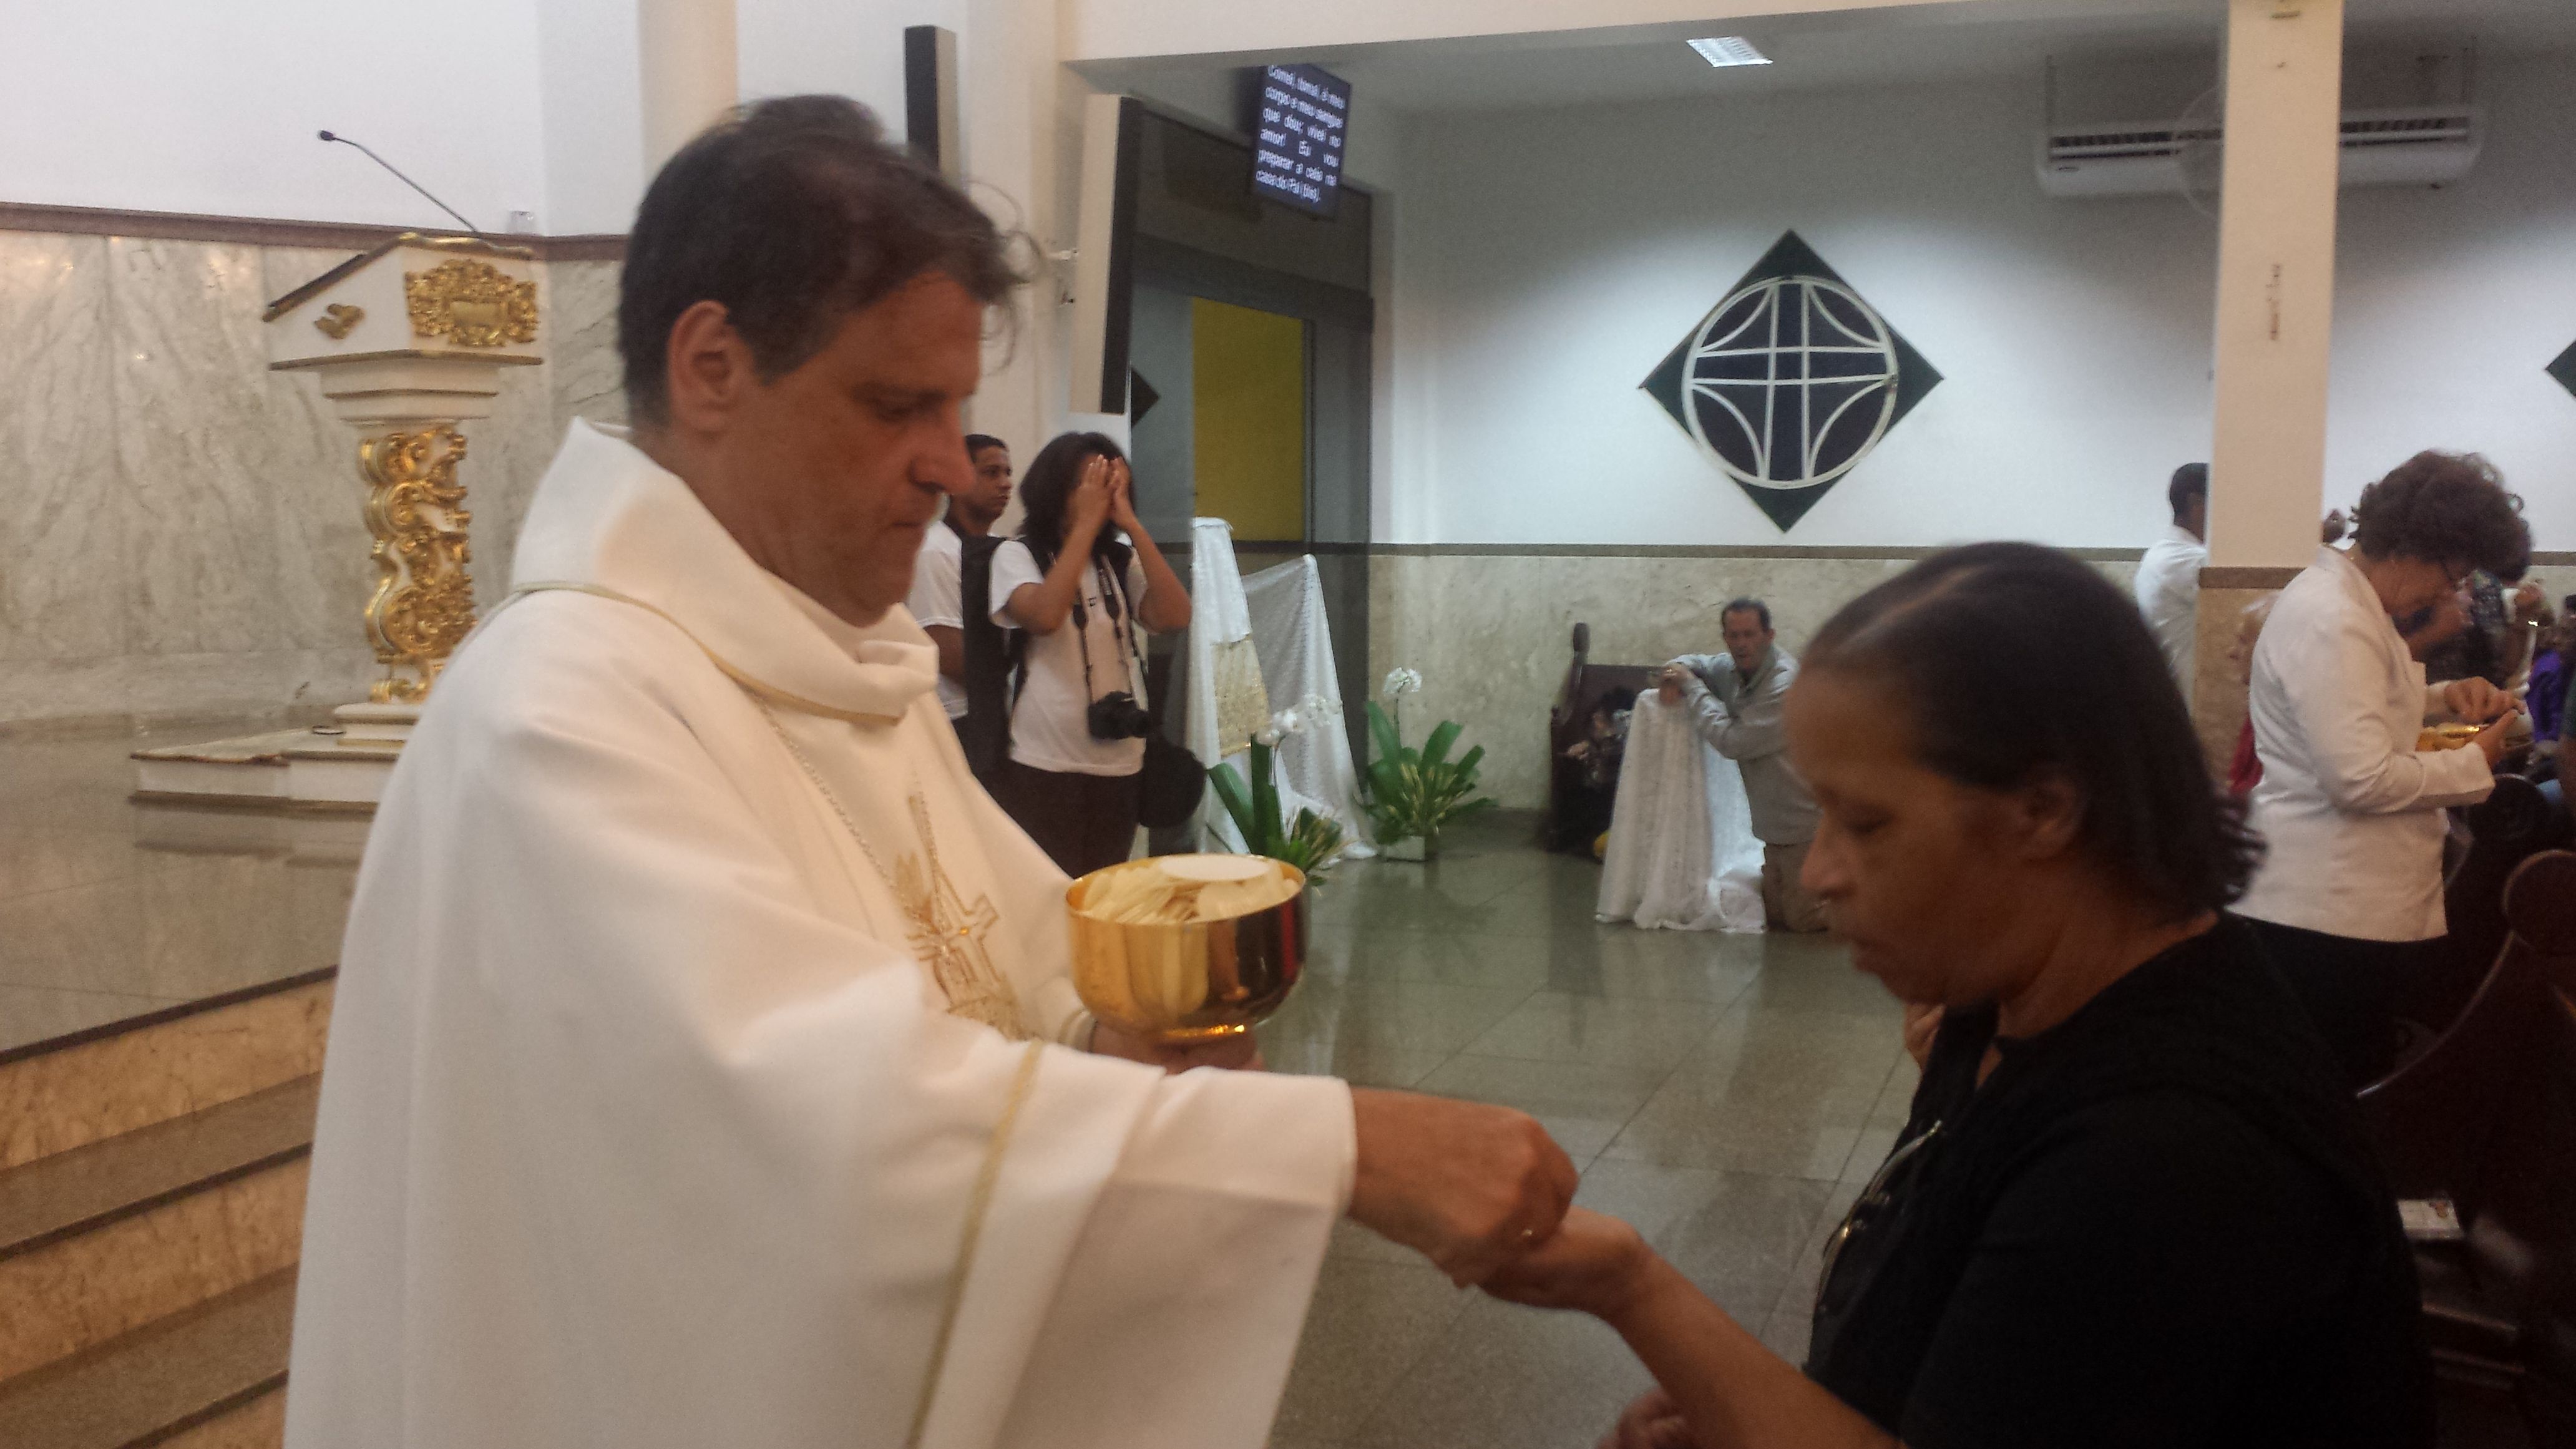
{"x":2351,"y":988}
{"x":1082,"y":822}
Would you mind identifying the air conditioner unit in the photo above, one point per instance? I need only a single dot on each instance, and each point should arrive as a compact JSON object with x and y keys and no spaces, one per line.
{"x":2405,"y":146}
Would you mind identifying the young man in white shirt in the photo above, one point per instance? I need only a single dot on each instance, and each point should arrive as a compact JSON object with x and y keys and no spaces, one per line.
{"x":2168,"y":582}
{"x":934,"y":598}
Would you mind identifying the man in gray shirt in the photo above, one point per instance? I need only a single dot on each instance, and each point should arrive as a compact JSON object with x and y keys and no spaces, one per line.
{"x":1733,"y":700}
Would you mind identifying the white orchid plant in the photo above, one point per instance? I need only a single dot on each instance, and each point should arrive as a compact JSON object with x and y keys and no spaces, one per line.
{"x":1312,"y":843}
{"x":1416,"y":792}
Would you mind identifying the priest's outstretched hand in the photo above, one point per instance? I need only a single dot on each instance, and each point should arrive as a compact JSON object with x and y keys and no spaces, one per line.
{"x":1469,"y":1186}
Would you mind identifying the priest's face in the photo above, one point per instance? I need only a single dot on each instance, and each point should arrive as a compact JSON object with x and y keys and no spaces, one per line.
{"x":830,"y":474}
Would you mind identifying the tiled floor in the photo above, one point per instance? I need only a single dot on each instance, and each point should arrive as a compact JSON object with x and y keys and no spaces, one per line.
{"x":109,"y":909}
{"x":1727,"y":1094}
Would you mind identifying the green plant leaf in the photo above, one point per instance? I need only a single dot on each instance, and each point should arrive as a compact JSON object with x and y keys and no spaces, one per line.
{"x":1229,"y":791}
{"x":1265,"y":801}
{"x":1382,"y":734}
{"x":1436,"y":749}
{"x":1466,"y":765}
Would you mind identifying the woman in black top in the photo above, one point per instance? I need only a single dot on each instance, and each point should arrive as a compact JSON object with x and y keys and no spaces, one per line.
{"x":2132,"y":1206}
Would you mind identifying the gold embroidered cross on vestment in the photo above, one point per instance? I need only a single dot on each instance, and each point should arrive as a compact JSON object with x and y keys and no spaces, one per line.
{"x":945,"y":933}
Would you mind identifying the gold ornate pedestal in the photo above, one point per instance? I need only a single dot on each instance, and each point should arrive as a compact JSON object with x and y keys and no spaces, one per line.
{"x":423,"y":603}
{"x":407,"y":341}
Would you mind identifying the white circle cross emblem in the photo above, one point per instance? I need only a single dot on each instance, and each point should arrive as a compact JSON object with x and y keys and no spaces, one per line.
{"x":1790,"y":382}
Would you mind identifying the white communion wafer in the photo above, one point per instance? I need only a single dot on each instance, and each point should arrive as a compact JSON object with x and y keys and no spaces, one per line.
{"x":1208,"y":868}
{"x":1183,"y":889}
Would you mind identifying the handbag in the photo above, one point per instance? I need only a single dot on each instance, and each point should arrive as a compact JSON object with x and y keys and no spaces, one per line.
{"x":1170,"y":785}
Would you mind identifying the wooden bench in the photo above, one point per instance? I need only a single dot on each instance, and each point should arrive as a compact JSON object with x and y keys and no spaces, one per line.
{"x":1578,"y":798}
{"x":2486,"y":1116}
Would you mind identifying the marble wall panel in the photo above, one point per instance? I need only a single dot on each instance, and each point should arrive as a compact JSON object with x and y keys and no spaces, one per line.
{"x":1491,"y":634}
{"x":589,"y":380}
{"x":182,"y":530}
{"x":205,"y":566}
{"x":60,"y":513}
{"x":320,"y":520}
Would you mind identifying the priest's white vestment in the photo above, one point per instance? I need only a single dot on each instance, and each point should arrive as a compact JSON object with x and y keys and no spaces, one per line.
{"x":660,"y":1109}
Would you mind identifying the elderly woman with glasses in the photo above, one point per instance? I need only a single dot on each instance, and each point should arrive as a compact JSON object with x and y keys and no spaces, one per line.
{"x":2132,"y":1205}
{"x":2349,"y":900}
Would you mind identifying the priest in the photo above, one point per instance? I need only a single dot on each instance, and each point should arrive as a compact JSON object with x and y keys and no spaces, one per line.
{"x":704,"y":1068}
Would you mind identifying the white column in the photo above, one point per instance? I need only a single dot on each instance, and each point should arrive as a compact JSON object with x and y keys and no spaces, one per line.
{"x":1020,"y":119}
{"x":685,"y":49}
{"x":2275,"y":280}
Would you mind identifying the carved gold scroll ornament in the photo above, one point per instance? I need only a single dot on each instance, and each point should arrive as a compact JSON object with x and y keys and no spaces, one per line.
{"x":423,"y":603}
{"x":471,"y":303}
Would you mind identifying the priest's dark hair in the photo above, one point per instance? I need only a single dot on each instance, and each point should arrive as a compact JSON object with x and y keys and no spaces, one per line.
{"x":793,"y":213}
{"x":978,"y":442}
{"x":2009,"y":661}
{"x":2445,"y":508}
{"x":1046,"y":488}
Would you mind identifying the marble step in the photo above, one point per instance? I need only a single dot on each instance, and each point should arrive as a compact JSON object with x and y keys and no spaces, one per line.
{"x":62,"y":1094}
{"x":89,"y":1187}
{"x":102,"y":1240}
{"x":205,"y":1376}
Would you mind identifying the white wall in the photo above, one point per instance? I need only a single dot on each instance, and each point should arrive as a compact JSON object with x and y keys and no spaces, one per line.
{"x":852,"y":47}
{"x":592,"y":79}
{"x":181,"y":105}
{"x":1564,"y":252}
{"x":2449,"y":303}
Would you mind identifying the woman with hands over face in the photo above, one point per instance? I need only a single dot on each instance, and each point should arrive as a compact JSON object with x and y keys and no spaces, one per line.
{"x":2132,"y":1205}
{"x":1076,"y":590}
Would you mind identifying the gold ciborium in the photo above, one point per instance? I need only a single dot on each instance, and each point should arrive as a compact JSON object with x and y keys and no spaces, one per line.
{"x":2447,"y":737}
{"x":1188,"y":948}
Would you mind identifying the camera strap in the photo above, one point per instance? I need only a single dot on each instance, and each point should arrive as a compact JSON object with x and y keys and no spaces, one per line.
{"x":1111,"y":592}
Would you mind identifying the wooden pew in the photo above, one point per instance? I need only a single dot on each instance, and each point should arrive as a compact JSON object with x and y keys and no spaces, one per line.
{"x":1578,"y":810}
{"x":2507,"y":828}
{"x":2487,"y":1117}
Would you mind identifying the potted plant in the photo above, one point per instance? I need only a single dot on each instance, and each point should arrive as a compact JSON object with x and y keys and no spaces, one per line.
{"x":1312,"y":843}
{"x":1412,"y":794}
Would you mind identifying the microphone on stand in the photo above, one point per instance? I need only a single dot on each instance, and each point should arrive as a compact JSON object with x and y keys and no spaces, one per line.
{"x":407,"y":181}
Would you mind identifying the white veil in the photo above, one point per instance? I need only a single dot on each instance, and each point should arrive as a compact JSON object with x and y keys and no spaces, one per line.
{"x":1682,"y":854}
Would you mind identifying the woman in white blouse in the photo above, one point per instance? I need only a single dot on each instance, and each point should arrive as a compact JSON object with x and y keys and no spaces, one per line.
{"x":2349,"y":899}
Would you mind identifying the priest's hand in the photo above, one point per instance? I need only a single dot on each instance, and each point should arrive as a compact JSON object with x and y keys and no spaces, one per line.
{"x":1469,"y":1186}
{"x":1240,"y":1053}
{"x":1592,"y":1264}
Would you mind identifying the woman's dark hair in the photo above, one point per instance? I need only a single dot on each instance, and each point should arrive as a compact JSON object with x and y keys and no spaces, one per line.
{"x":2445,"y":508}
{"x":1046,"y":486}
{"x":2009,"y":660}
{"x":793,"y":213}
